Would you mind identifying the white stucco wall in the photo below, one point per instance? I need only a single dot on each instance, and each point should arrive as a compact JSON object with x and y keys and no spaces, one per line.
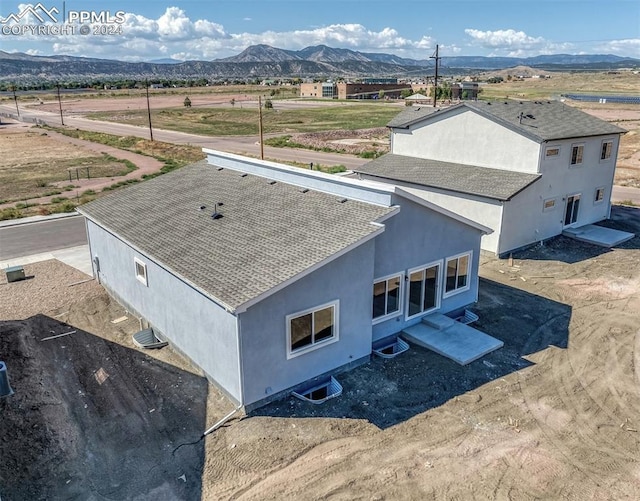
{"x":463,"y":136}
{"x":525,"y":221}
{"x":194,"y":324}
{"x":482,"y":210}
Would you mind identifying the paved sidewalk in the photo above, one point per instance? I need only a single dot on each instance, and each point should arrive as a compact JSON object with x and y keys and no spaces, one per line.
{"x":77,"y":257}
{"x":36,"y":219}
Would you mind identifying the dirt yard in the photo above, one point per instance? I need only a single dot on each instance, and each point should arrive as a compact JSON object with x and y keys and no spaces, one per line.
{"x":555,"y":414}
{"x":24,"y":175}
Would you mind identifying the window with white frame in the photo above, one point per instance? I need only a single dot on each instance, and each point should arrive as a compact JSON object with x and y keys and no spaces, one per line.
{"x":552,"y":151}
{"x":310,"y":329}
{"x":422,"y":290}
{"x":577,"y":152}
{"x":599,"y":195}
{"x":549,"y":204}
{"x":141,"y":271}
{"x":605,"y":150}
{"x":457,"y":270}
{"x":387,"y":297}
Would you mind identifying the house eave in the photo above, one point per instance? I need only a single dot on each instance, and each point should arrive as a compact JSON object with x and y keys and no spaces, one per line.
{"x":219,"y":302}
{"x":380,"y":229}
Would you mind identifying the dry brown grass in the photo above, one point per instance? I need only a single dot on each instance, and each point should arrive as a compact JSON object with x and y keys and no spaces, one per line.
{"x":561,"y":83}
{"x":31,"y":160}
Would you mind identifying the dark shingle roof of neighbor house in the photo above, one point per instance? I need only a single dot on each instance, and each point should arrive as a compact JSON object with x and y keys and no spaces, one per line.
{"x":269,"y":233}
{"x":541,"y":120}
{"x":482,"y":181}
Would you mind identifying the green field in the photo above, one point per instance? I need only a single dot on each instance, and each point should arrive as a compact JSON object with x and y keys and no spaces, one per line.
{"x":240,"y":122}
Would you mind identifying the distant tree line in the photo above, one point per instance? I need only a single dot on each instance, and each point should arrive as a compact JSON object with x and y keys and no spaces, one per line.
{"x":127,"y":83}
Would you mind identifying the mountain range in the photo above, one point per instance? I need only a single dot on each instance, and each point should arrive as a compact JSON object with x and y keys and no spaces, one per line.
{"x":264,"y":61}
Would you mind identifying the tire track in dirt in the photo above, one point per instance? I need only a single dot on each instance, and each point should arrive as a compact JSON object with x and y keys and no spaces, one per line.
{"x":595,"y":452}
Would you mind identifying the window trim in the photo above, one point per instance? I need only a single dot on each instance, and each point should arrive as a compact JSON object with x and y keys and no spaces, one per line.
{"x":457,"y":290}
{"x":551,"y":148}
{"x":595,"y":198}
{"x":552,"y":207}
{"x":577,"y":195}
{"x":314,"y":345}
{"x":606,"y":159}
{"x":438,"y":296}
{"x":141,"y":278}
{"x":581,"y":162}
{"x":382,"y":318}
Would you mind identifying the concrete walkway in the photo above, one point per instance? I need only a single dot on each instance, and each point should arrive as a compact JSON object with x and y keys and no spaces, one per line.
{"x":78,"y":257}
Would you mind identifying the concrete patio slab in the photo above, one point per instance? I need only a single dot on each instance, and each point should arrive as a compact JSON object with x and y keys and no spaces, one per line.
{"x":598,"y":235}
{"x":457,"y":341}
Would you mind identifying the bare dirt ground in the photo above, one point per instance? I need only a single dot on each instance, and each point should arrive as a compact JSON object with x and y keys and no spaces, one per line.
{"x":552,"y":415}
{"x":627,"y":117}
{"x":26,"y":177}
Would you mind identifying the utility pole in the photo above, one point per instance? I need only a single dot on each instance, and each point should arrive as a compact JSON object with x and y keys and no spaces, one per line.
{"x":60,"y":103}
{"x":260,"y":127}
{"x":149,"y":110}
{"x":435,"y":81}
{"x":15,"y":98}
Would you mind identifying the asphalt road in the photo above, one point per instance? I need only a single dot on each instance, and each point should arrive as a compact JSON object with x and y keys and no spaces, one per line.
{"x":625,"y":193}
{"x":42,"y":236}
{"x":241,"y":145}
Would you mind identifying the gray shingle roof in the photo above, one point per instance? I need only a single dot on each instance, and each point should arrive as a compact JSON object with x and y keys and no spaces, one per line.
{"x":269,"y":233}
{"x":542,"y":120}
{"x":482,"y":181}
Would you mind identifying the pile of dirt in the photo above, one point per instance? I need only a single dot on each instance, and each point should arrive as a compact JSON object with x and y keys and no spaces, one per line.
{"x":353,"y":142}
{"x":92,"y":417}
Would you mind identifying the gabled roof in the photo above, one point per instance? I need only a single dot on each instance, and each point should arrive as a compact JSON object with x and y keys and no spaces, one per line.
{"x":269,"y":234}
{"x":416,"y":97}
{"x":496,"y":184}
{"x":538,"y":120}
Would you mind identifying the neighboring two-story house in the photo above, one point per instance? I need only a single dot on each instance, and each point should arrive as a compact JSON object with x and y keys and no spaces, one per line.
{"x":267,"y":276}
{"x":527,"y":170}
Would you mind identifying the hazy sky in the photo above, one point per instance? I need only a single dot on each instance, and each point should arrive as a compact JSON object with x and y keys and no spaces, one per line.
{"x":189,"y":29}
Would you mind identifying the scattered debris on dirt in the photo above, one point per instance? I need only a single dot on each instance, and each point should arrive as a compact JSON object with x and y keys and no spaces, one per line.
{"x":553,"y":414}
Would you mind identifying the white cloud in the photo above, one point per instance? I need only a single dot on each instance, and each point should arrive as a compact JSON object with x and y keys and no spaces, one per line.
{"x":505,"y":39}
{"x":514,"y":43}
{"x":628,"y":47}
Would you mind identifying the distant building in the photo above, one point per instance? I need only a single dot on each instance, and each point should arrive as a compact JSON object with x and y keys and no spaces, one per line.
{"x":360,"y":90}
{"x":371,"y":90}
{"x":316,"y":89}
{"x":464,"y":90}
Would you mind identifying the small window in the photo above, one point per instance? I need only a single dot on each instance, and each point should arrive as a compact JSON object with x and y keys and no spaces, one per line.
{"x":457,"y":279}
{"x":599,"y":196}
{"x":552,"y":152}
{"x":605,"y":151}
{"x":309,"y":329}
{"x":141,"y":271}
{"x":577,"y":151}
{"x":549,"y":204}
{"x":386,"y":297}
